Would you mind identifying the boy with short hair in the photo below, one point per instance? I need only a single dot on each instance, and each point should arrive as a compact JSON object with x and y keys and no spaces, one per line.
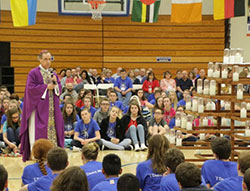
{"x":88,"y":105}
{"x":111,"y":168}
{"x":57,"y":161}
{"x":157,"y":93}
{"x":172,"y":159}
{"x":157,"y":125}
{"x":234,"y":183}
{"x":114,"y":101}
{"x":217,"y":170}
{"x":3,"y":178}
{"x":128,"y":182}
{"x":246,"y":182}
{"x":188,"y":176}
{"x":102,"y":112}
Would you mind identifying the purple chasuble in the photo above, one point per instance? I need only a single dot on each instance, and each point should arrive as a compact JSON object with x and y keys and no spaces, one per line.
{"x":34,"y":90}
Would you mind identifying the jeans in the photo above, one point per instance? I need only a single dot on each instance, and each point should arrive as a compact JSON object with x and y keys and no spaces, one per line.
{"x":78,"y":143}
{"x":124,"y":99}
{"x":120,"y":146}
{"x":133,"y":131}
{"x":13,"y":135}
{"x":179,"y":95}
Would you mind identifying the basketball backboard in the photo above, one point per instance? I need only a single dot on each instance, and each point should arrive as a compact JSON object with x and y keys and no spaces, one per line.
{"x":81,"y":7}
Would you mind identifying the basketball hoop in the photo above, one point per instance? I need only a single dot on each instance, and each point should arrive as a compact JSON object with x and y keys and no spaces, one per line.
{"x":96,"y":7}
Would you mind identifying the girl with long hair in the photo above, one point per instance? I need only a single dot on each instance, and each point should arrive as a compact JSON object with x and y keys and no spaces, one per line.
{"x":71,"y":179}
{"x":167,"y":83}
{"x":150,"y":83}
{"x":151,"y":171}
{"x":91,"y":167}
{"x":173,"y":98}
{"x":70,"y":119}
{"x":169,"y":112}
{"x":135,"y":125}
{"x":11,"y":129}
{"x":33,"y":172}
{"x":79,"y":102}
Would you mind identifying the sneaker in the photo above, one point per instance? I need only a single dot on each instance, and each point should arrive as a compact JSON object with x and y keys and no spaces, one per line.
{"x":2,"y":144}
{"x":76,"y":149}
{"x":144,"y":147}
{"x":129,"y":148}
{"x":137,"y":148}
{"x":103,"y":148}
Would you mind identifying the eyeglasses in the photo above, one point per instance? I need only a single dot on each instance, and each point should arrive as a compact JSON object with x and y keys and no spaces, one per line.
{"x":15,"y":117}
{"x":105,"y":103}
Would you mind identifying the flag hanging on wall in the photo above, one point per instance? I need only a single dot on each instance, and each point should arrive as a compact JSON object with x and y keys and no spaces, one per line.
{"x":186,"y":11}
{"x":23,"y":12}
{"x":224,"y":9}
{"x":145,"y":11}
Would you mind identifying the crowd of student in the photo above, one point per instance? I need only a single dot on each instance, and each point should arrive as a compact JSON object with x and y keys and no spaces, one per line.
{"x":124,"y":119}
{"x":164,"y":169}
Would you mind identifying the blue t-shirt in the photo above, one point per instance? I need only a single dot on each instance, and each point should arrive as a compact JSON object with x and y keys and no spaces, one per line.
{"x":153,"y":101}
{"x":93,"y":171}
{"x":87,"y":131}
{"x":110,"y":184}
{"x":92,"y":110}
{"x":117,"y":104}
{"x":230,"y":184}
{"x":181,"y":103}
{"x":123,"y":85}
{"x":110,"y":80}
{"x":172,"y":123}
{"x":149,"y":180}
{"x":4,"y":117}
{"x":42,"y":184}
{"x":169,"y":183}
{"x":215,"y":171}
{"x":32,"y":173}
{"x":111,"y":130}
{"x":151,"y":97}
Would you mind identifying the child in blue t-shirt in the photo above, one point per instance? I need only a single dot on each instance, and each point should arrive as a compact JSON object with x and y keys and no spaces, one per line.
{"x":87,"y":104}
{"x":111,"y":168}
{"x":86,"y":130}
{"x":128,"y":182}
{"x":217,"y":170}
{"x":91,"y":167}
{"x":173,"y":158}
{"x":3,"y":178}
{"x":57,"y":160}
{"x":234,"y":183}
{"x":33,"y":172}
{"x":150,"y":171}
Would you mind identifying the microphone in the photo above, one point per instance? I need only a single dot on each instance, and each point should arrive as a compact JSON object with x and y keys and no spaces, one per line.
{"x":52,"y":75}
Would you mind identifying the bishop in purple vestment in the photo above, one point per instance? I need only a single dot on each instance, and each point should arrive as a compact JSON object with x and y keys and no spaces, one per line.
{"x":41,"y":117}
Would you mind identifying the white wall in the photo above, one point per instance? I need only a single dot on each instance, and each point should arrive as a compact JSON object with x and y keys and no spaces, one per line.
{"x":238,"y":25}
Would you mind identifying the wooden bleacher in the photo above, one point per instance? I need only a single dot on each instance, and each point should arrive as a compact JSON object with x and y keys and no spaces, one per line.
{"x":112,"y":42}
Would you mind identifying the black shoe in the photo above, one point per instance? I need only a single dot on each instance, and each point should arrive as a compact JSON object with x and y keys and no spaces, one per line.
{"x":129,"y":148}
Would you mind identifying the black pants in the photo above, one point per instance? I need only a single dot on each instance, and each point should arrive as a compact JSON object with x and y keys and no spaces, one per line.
{"x":78,"y":143}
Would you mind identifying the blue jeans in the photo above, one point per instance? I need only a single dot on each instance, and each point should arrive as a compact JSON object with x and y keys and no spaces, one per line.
{"x":13,"y":135}
{"x":124,"y":99}
{"x":133,"y":131}
{"x":120,"y":146}
{"x":179,"y":95}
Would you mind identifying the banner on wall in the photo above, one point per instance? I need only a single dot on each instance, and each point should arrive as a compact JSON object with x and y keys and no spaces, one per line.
{"x":248,"y":19}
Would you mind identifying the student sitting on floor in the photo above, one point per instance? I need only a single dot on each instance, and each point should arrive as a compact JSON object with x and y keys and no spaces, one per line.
{"x":3,"y":178}
{"x":33,"y":172}
{"x":217,"y":170}
{"x":128,"y":182}
{"x":173,"y":158}
{"x":102,"y":112}
{"x":57,"y":159}
{"x":234,"y":183}
{"x":157,"y":125}
{"x":135,"y":125}
{"x":150,"y":171}
{"x":88,"y":105}
{"x":246,"y":181}
{"x":71,"y":179}
{"x":87,"y":130}
{"x":113,"y":131}
{"x":111,"y":168}
{"x":188,"y":176}
{"x":91,"y":167}
{"x":70,"y":119}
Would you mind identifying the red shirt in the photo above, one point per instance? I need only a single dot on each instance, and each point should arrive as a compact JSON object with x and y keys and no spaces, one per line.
{"x":147,"y":84}
{"x":131,"y":123}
